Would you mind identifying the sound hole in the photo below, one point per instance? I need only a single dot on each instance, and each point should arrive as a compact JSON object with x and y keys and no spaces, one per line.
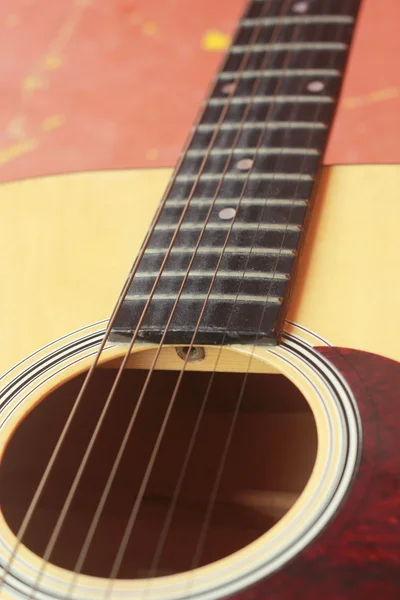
{"x":270,"y":459}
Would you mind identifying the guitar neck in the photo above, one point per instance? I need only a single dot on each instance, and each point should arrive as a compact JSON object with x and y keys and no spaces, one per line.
{"x":223,"y":247}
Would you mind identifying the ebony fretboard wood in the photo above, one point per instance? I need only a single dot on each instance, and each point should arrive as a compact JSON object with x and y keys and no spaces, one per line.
{"x":273,"y":103}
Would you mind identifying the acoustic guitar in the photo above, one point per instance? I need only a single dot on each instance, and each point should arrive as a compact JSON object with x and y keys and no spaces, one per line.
{"x":233,"y":429}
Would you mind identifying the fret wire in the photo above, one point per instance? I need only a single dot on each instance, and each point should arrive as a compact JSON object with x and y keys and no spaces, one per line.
{"x":211,"y":226}
{"x":263,"y":125}
{"x":211,"y":297}
{"x":232,"y":201}
{"x":244,"y":176}
{"x":278,"y":72}
{"x":250,"y":150}
{"x":260,"y":1}
{"x":301,"y":19}
{"x":227,"y":274}
{"x":278,"y":99}
{"x":278,"y":47}
{"x":218,"y":250}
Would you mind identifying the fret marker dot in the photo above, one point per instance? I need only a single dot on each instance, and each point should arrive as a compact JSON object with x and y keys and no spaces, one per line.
{"x":245,"y":164}
{"x":315,"y":86}
{"x":300,"y":7}
{"x":227,"y":213}
{"x":228,"y":88}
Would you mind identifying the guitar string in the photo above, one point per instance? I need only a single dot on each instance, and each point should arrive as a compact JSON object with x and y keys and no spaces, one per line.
{"x":182,"y":474}
{"x":33,"y":504}
{"x":220,"y":472}
{"x":62,"y":437}
{"x":107,"y":488}
{"x":38,"y":492}
{"x":136,"y":507}
{"x":237,"y":409}
{"x":218,"y":478}
{"x":168,"y":519}
{"x":164,"y":532}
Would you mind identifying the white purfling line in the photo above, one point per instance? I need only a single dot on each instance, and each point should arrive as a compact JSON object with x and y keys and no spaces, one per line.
{"x":303,"y":19}
{"x":218,"y":250}
{"x":244,"y":176}
{"x":241,"y":48}
{"x":279,"y":73}
{"x":225,"y":226}
{"x":277,"y":150}
{"x":235,"y":297}
{"x":275,"y":99}
{"x":262,"y":125}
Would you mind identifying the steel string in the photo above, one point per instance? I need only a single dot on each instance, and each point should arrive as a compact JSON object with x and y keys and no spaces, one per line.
{"x":218,"y":479}
{"x":42,"y":483}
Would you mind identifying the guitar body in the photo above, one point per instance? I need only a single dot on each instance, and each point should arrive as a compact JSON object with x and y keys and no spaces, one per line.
{"x":227,"y":425}
{"x":340,"y":349}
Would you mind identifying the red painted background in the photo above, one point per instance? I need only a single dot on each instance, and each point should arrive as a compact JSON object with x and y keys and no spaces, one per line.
{"x":99,"y":84}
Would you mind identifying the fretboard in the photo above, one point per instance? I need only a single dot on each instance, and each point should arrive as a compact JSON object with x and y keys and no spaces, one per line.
{"x":220,"y":259}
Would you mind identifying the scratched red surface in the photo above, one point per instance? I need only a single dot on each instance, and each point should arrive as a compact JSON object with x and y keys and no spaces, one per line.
{"x":100,"y":84}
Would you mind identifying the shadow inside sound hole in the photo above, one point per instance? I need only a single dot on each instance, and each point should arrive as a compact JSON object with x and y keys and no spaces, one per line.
{"x":269,"y":462}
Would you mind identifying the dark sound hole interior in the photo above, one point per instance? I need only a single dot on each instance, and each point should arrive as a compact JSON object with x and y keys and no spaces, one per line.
{"x":270,"y":459}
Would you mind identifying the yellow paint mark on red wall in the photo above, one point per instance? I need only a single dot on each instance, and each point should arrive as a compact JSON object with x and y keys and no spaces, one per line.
{"x":32,"y":83}
{"x":215,"y":41}
{"x":12,"y":20}
{"x":16,"y":150}
{"x":16,"y":128}
{"x":386,"y":94}
{"x":52,"y":62}
{"x":149,"y":28}
{"x":135,"y":18}
{"x":372,"y":97}
{"x":152,"y":154}
{"x":53,"y":122}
